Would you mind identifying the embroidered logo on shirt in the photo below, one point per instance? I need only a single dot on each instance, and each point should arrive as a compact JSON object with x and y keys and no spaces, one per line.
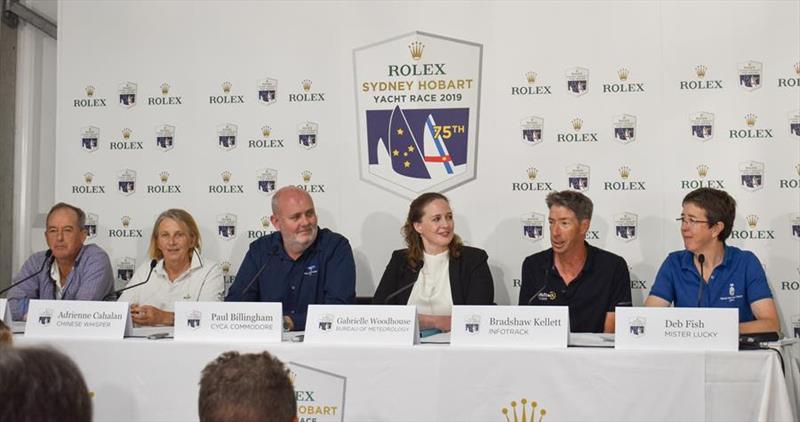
{"x":546,"y":296}
{"x":732,"y":296}
{"x":311,"y":270}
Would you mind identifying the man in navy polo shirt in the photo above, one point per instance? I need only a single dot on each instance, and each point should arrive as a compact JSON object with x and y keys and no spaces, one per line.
{"x":297,"y":265}
{"x":592,"y":282}
{"x":709,"y":273}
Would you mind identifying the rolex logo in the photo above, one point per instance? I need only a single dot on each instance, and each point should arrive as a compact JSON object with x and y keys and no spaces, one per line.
{"x":752,"y":221}
{"x":88,"y":177}
{"x":164,"y":88}
{"x":416,"y":48}
{"x":750,"y":118}
{"x":89,"y":91}
{"x":265,"y":222}
{"x":523,"y":416}
{"x":306,"y":176}
{"x":126,"y":221}
{"x":797,"y":168}
{"x":624,"y":172}
{"x":531,"y":77}
{"x":164,"y":176}
{"x":577,"y":124}
{"x":797,"y":68}
{"x":226,"y":267}
{"x":702,"y":170}
{"x":532,"y":173}
{"x":126,"y":134}
{"x":306,"y":85}
{"x":266,"y":130}
{"x":226,"y":87}
{"x":700,"y":71}
{"x":226,"y":177}
{"x":623,"y":74}
{"x":292,"y":376}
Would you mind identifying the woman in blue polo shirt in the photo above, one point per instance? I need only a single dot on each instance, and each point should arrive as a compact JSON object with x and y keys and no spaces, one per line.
{"x":730,"y":277}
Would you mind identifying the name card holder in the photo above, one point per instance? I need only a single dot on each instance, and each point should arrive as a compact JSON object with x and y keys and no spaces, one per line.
{"x":229,"y":321}
{"x":523,"y":326}
{"x":362,"y":324}
{"x":710,"y":329}
{"x":78,"y":319}
{"x":5,"y":312}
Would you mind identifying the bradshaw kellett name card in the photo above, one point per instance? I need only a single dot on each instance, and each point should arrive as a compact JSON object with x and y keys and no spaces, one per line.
{"x":677,"y":328}
{"x":362,"y":324}
{"x":78,"y":319}
{"x":229,"y":321}
{"x":526,"y":326}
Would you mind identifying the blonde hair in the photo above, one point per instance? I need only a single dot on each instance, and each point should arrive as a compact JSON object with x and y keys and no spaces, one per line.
{"x":184,"y":219}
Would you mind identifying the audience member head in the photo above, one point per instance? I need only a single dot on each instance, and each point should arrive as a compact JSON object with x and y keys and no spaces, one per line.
{"x":41,"y":384}
{"x":253,"y":387}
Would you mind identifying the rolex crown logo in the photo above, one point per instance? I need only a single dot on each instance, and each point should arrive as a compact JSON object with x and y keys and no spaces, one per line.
{"x":164,"y":176}
{"x":226,"y":87}
{"x":623,"y":74}
{"x":532,"y":173}
{"x":702,"y":170}
{"x":416,"y":48}
{"x":226,"y":176}
{"x":700,"y":71}
{"x":89,"y":91}
{"x":266,"y":130}
{"x":126,"y":221}
{"x":750,"y":118}
{"x":531,"y":77}
{"x":797,"y":167}
{"x":292,"y":377}
{"x":524,"y":415}
{"x":577,"y":124}
{"x":88,"y":177}
{"x":306,"y":85}
{"x":126,"y":134}
{"x":226,"y":267}
{"x":164,"y":88}
{"x":265,"y":222}
{"x":797,"y":68}
{"x":306,"y":176}
{"x":624,"y":172}
{"x":752,"y":221}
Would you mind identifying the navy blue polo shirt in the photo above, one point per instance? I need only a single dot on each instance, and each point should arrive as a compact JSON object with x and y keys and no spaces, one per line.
{"x":603,"y":284}
{"x":323,"y":274}
{"x":736,"y":283}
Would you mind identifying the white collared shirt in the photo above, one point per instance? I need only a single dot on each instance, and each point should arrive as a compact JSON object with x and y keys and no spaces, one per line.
{"x":202,"y":282}
{"x":55,"y":274}
{"x":431,"y":293}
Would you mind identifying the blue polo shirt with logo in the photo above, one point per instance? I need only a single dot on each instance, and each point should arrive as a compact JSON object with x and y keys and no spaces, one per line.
{"x":736,"y":283}
{"x":324,"y":274}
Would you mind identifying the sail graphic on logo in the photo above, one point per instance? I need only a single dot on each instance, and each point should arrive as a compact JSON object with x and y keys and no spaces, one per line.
{"x":410,"y":144}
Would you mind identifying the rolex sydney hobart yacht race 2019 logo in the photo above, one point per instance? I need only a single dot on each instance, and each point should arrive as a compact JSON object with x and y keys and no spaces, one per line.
{"x":418,"y":101}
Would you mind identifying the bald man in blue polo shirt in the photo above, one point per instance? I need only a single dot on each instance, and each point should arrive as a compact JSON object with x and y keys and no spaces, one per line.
{"x":298,"y":265}
{"x":731,"y":277}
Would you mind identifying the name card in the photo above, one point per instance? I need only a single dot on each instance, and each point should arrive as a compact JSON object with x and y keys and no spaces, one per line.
{"x":677,"y":329}
{"x":228,"y":321}
{"x":5,"y":312}
{"x":362,"y":324}
{"x":78,"y":319}
{"x":526,"y":326}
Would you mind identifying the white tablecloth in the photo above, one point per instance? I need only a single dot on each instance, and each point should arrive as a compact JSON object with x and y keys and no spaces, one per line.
{"x":139,"y":379}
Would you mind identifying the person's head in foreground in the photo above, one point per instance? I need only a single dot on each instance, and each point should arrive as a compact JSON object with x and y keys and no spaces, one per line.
{"x":41,"y":385}
{"x":252,"y":387}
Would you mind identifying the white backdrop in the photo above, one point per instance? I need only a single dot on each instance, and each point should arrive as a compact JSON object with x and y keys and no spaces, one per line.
{"x":672,"y":59}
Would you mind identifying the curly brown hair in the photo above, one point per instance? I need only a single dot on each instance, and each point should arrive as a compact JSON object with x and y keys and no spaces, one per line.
{"x":413,"y":240}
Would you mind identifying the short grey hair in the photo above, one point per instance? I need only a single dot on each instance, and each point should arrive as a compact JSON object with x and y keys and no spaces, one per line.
{"x":276,"y":197}
{"x":576,"y":202}
{"x":63,"y":205}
